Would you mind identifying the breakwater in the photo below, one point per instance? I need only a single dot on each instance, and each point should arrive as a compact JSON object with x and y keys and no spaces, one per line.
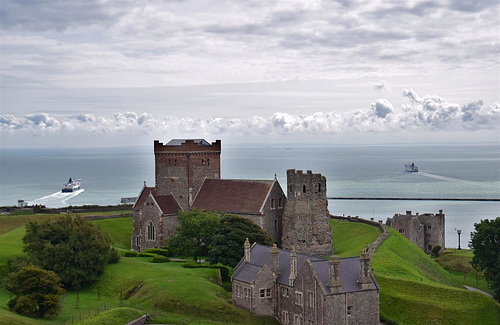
{"x":413,"y":199}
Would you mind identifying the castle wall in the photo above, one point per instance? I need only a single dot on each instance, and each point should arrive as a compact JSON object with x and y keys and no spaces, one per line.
{"x":306,"y":220}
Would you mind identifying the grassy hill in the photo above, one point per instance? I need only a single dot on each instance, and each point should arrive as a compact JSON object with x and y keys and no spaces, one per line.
{"x":170,"y":293}
{"x":349,"y":238}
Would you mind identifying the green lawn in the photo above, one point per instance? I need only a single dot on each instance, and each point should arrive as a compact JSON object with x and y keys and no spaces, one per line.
{"x":119,"y":229}
{"x":349,"y":238}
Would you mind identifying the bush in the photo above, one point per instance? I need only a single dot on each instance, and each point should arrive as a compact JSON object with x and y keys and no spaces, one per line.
{"x":164,"y":252}
{"x":131,"y":254}
{"x":114,"y":256}
{"x":435,"y":250}
{"x":160,"y":259}
{"x":145,"y":255}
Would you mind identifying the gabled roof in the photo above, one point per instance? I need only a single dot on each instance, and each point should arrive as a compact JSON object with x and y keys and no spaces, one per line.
{"x":167,"y":203}
{"x":233,"y":195}
{"x":178,"y":142}
{"x":260,"y":255}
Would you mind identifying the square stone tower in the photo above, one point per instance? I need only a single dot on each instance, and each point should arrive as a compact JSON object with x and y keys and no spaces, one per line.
{"x":181,"y":165}
{"x":306,"y":219}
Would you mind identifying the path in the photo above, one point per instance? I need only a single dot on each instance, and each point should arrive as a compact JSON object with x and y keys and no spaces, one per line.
{"x":475,"y":289}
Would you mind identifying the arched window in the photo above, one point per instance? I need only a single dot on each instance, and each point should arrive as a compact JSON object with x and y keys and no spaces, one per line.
{"x":208,"y":161}
{"x":203,"y":162}
{"x":304,"y":188}
{"x":151,"y":230}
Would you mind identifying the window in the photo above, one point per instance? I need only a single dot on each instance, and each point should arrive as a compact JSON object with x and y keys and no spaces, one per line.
{"x":175,"y":162}
{"x":268,"y":293}
{"x":310,"y":322}
{"x":262,"y":293}
{"x":203,"y":162}
{"x":298,"y":298}
{"x":245,"y":293}
{"x":275,"y":224}
{"x":319,"y":187}
{"x":284,"y":292}
{"x":285,"y":317}
{"x":138,"y":241}
{"x":208,"y":162}
{"x":429,"y":227}
{"x":151,"y":230}
{"x":298,"y":320}
{"x":168,"y":162}
{"x":310,"y":299}
{"x":272,"y":204}
{"x":349,"y":310}
{"x":280,"y":203}
{"x":304,"y":188}
{"x":429,"y":247}
{"x":401,"y":231}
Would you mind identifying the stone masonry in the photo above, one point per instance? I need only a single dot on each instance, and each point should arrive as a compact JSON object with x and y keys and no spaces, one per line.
{"x":306,"y":219}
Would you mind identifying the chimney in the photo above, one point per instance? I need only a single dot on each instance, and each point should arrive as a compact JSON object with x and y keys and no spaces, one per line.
{"x":275,"y":260}
{"x":247,"y":251}
{"x":408,"y":213}
{"x":364,"y":270}
{"x":293,"y":267}
{"x":334,"y":283}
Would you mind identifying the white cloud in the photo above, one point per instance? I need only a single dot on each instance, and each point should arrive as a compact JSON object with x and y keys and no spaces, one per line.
{"x":427,"y":113}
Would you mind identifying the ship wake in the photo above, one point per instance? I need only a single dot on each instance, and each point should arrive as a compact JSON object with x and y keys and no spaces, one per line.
{"x":443,"y":178}
{"x":57,"y":199}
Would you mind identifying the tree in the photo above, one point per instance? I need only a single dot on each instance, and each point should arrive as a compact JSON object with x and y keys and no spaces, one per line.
{"x":37,"y":292}
{"x":74,"y":248}
{"x":227,"y":245}
{"x":195,"y":232}
{"x":485,"y":241}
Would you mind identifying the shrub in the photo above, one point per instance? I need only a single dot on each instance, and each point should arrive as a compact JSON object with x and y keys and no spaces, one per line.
{"x":160,"y":259}
{"x":435,"y":250}
{"x":164,"y":252}
{"x":114,"y":256}
{"x":145,"y":255}
{"x":130,"y":254}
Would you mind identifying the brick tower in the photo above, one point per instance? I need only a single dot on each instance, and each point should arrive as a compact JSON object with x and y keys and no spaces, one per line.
{"x":181,"y":165}
{"x":306,"y":219}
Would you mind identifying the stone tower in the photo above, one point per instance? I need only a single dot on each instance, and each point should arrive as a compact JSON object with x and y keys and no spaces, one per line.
{"x":181,"y":165}
{"x":306,"y":219}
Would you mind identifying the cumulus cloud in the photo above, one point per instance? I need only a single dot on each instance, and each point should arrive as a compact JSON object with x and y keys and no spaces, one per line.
{"x":432,"y":113}
{"x":381,"y":85}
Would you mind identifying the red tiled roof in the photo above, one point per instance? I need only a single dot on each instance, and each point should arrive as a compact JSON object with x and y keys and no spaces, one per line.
{"x":142,"y":197}
{"x":168,"y":204}
{"x":232,"y":196}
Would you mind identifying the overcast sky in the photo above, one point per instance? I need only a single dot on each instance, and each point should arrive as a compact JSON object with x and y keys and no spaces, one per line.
{"x":127,"y":72}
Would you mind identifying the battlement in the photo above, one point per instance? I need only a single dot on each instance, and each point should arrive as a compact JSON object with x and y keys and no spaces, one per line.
{"x":307,"y":185}
{"x":187,"y":145}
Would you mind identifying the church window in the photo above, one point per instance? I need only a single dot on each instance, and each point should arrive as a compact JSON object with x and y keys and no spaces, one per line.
{"x":298,"y":298}
{"x":303,"y":188}
{"x":280,"y":203}
{"x":349,"y":310}
{"x":272,"y":204}
{"x":151,"y":230}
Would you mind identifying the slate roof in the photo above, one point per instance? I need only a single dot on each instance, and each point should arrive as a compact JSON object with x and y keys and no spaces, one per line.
{"x":178,"y":142}
{"x":167,"y":203}
{"x":260,"y":255}
{"x":233,"y":196}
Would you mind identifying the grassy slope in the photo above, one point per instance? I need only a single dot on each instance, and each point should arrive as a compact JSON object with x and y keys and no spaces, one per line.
{"x":416,"y":290}
{"x":349,"y":238}
{"x":180,"y":294}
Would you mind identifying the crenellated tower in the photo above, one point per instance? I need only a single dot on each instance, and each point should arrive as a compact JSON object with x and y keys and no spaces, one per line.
{"x":181,"y":165}
{"x":306,"y":219}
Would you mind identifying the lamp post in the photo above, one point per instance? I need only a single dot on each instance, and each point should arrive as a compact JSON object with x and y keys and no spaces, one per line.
{"x":459,"y":232}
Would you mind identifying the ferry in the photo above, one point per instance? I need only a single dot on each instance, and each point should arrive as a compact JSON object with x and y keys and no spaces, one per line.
{"x":411,"y":168}
{"x":71,"y":186}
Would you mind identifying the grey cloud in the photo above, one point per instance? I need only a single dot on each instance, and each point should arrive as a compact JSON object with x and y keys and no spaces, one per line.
{"x":472,"y":5}
{"x":382,"y":108}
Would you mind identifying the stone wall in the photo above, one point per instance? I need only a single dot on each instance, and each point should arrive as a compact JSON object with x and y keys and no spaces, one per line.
{"x":263,"y":281}
{"x":149,"y":212}
{"x":272,"y":218}
{"x":306,"y":218}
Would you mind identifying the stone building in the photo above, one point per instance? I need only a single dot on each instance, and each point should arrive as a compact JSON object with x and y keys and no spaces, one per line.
{"x":306,"y":220}
{"x":187,"y":175}
{"x":302,"y":289}
{"x":424,"y":230}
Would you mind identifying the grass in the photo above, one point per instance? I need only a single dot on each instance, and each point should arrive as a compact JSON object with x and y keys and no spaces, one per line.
{"x":417,"y":290}
{"x":457,"y":262}
{"x":170,"y":293}
{"x":349,"y":238}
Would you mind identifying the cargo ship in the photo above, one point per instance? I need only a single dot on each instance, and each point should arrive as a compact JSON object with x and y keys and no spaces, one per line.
{"x":71,"y":186}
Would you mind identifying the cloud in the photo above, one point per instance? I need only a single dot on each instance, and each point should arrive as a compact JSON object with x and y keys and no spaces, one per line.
{"x":381,"y":85}
{"x":427,"y":113}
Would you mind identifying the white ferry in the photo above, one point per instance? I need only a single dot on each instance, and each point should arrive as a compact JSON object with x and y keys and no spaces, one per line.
{"x":71,"y":186}
{"x":411,"y":168}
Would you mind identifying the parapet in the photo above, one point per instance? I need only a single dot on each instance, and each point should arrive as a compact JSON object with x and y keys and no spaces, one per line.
{"x":187,"y":145}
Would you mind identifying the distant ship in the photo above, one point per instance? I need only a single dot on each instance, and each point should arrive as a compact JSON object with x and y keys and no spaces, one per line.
{"x":411,"y":168}
{"x":71,"y":186}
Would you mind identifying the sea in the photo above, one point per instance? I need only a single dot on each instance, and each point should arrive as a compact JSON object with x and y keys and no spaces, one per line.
{"x":445,"y":171}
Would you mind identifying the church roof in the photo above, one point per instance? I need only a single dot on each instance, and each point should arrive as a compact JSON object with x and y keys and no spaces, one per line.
{"x":167,"y":203}
{"x":233,"y":196}
{"x":260,"y":255}
{"x":178,"y":142}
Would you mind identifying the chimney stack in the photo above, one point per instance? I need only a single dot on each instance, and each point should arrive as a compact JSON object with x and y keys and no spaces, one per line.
{"x":364,"y":270}
{"x":275,"y":260}
{"x":334,"y":283}
{"x":293,"y":267}
{"x":247,"y":251}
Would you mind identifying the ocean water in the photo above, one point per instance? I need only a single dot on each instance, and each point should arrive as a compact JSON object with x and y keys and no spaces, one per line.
{"x":445,"y":171}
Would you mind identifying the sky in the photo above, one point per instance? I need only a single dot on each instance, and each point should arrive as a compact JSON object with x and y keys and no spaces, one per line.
{"x":120,"y":73}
